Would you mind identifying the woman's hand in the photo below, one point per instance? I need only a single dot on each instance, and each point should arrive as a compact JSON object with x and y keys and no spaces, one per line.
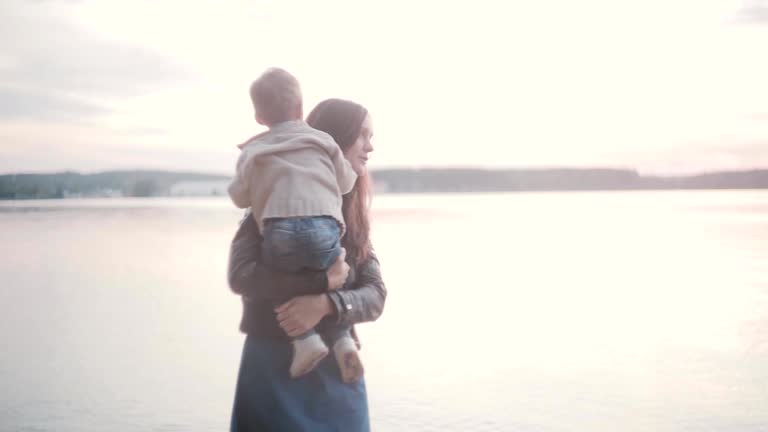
{"x":338,"y":272}
{"x":300,"y":314}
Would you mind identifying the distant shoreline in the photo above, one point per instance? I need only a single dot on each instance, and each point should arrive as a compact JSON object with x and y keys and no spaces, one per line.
{"x":404,"y":181}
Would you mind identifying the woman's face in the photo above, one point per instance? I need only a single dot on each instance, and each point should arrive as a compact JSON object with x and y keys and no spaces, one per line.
{"x":357,"y":153}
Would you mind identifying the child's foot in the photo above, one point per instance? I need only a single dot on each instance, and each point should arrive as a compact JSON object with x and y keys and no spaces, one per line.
{"x":307,"y":353}
{"x":348,"y":358}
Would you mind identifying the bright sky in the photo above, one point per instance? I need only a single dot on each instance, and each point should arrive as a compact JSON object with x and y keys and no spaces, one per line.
{"x":663,"y":86}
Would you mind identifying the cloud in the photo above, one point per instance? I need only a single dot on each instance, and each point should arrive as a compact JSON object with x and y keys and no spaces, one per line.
{"x":39,"y":105}
{"x":44,"y":51}
{"x":145,"y":131}
{"x":751,"y":150}
{"x":753,"y":12}
{"x":700,"y":157}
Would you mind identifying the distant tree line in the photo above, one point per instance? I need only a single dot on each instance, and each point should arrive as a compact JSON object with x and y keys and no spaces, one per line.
{"x":478,"y":180}
{"x":158,"y":183}
{"x":124,"y":183}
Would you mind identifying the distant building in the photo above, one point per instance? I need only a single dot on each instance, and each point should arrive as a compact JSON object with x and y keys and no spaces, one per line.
{"x":380,"y":186}
{"x":200,"y":188}
{"x":110,"y":193}
{"x":99,"y":193}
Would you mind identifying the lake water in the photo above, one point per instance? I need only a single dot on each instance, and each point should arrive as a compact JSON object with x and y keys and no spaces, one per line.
{"x":642,"y":311}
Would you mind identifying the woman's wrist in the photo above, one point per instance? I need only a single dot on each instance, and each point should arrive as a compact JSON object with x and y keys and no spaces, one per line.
{"x":327,"y":304}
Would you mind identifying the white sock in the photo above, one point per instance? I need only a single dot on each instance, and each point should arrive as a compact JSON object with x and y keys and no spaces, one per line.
{"x":343,"y":345}
{"x":307,"y":353}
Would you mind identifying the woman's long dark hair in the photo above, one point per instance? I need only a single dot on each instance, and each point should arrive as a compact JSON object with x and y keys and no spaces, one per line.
{"x":343,"y":120}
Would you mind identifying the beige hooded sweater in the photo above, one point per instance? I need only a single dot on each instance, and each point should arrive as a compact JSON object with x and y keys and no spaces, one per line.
{"x":292,"y":170}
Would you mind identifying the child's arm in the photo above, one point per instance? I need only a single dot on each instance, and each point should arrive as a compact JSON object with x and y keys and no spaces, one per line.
{"x":238,"y":188}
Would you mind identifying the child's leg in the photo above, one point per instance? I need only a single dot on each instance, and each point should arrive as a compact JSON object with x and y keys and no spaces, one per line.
{"x":347,"y":355}
{"x":301,"y":243}
{"x":308,"y":350}
{"x":280,"y":247}
{"x":320,"y":242}
{"x":298,"y":244}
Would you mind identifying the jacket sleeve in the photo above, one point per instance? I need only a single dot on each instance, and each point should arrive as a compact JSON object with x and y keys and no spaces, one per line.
{"x":238,"y":187}
{"x":364,"y":300}
{"x":250,"y":278}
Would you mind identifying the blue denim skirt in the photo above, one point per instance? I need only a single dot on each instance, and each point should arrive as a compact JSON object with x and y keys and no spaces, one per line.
{"x":267,"y":399}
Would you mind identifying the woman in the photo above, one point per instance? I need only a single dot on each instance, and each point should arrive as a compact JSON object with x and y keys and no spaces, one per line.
{"x":350,"y":292}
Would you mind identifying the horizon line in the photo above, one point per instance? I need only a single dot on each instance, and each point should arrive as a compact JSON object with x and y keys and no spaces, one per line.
{"x":410,"y":168}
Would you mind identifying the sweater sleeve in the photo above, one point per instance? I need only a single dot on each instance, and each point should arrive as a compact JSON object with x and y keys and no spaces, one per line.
{"x":238,"y":187}
{"x":364,"y":299}
{"x":250,"y":278}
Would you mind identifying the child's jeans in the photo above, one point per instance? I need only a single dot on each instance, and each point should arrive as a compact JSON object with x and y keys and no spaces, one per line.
{"x":301,"y":243}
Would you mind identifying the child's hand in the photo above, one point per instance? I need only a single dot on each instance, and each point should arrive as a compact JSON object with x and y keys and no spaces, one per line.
{"x":338,"y":272}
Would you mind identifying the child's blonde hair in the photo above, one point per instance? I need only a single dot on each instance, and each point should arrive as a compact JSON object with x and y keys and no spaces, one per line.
{"x":276,"y":97}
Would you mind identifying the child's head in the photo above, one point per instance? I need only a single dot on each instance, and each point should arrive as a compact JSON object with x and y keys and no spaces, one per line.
{"x":276,"y":97}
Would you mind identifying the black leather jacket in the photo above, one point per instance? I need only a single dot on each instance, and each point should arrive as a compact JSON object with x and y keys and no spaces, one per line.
{"x":361,"y":299}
